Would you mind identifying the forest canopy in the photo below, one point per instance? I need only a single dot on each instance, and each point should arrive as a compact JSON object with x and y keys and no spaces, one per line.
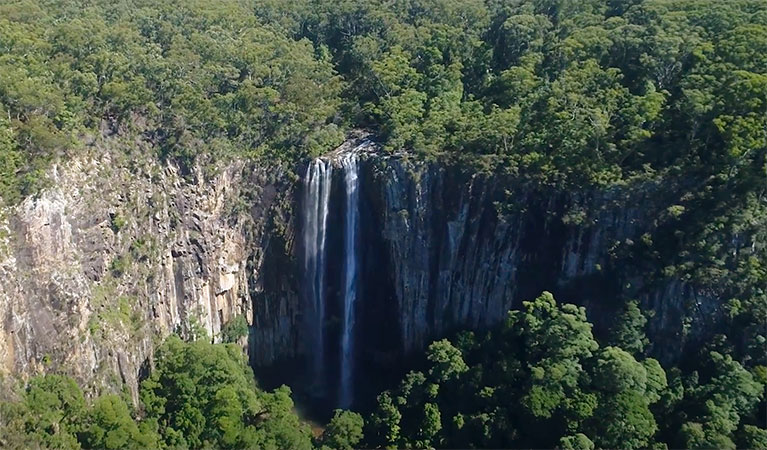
{"x":540,"y":379}
{"x":199,"y":395}
{"x":586,"y":91}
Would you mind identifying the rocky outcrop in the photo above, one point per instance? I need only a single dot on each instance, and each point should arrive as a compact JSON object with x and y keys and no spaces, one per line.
{"x":458,"y":248}
{"x":118,"y":254}
{"x":453,"y":260}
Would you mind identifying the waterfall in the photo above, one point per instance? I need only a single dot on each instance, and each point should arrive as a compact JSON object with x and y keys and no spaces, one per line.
{"x":317,"y":196}
{"x":317,"y":187}
{"x":351,"y":222}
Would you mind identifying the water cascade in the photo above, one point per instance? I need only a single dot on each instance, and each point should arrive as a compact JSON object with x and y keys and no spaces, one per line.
{"x":351,"y":223}
{"x":316,"y":201}
{"x":317,"y":218}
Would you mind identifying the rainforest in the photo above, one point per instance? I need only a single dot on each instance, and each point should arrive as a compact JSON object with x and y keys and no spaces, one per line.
{"x":298,"y":224}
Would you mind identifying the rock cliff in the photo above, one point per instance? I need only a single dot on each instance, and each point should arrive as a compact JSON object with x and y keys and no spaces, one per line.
{"x":121,"y":251}
{"x":450,"y":247}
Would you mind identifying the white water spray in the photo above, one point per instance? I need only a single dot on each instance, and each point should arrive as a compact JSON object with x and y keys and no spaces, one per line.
{"x":351,"y":224}
{"x":317,"y":196}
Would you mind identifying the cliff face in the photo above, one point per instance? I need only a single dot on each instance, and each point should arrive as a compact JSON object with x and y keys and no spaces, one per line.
{"x":119,"y":253}
{"x":458,"y":248}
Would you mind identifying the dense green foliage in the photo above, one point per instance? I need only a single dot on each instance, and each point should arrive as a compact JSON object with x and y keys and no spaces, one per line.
{"x":344,"y":432}
{"x":235,"y":329}
{"x":191,"y":76}
{"x":590,"y":91}
{"x":541,"y":380}
{"x":594,"y":90}
{"x":199,"y":395}
{"x":203,"y":394}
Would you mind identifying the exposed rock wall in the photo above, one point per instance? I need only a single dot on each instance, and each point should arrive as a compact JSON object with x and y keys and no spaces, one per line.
{"x":454,"y":261}
{"x":117,"y":254}
{"x":121,"y":251}
{"x":460,"y":248}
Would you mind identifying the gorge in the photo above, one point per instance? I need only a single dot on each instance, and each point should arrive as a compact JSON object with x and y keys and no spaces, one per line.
{"x":439,"y":247}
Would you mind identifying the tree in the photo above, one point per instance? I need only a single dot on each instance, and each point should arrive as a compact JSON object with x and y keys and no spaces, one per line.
{"x":109,"y":425}
{"x":385,"y":422}
{"x":204,"y":394}
{"x":576,"y":442}
{"x":628,"y":330}
{"x":446,"y":361}
{"x":751,"y":436}
{"x":715,"y":401}
{"x":344,"y":432}
{"x":234,"y":329}
{"x":623,"y":420}
{"x":49,"y":416}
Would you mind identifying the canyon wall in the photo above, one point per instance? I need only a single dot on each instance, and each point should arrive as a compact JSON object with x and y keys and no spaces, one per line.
{"x":451,"y":247}
{"x":119,"y":252}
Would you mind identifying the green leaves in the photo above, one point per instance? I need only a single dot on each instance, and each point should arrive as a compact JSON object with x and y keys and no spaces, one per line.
{"x":542,"y":380}
{"x":576,"y":442}
{"x":235,"y":329}
{"x":199,"y":395}
{"x":109,"y":425}
{"x":628,"y":331}
{"x":744,"y":131}
{"x":446,"y":361}
{"x":539,"y":380}
{"x":188,"y":69}
{"x":203,"y":391}
{"x":344,"y":432}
